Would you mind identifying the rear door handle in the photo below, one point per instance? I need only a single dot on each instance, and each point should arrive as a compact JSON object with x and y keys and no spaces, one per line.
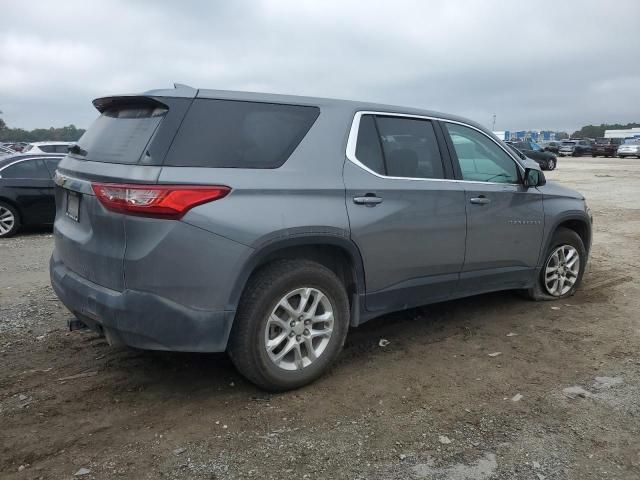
{"x":369,"y":200}
{"x":481,"y":200}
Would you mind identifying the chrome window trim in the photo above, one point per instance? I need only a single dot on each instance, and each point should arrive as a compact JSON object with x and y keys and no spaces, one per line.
{"x":20,"y":160}
{"x":353,"y":140}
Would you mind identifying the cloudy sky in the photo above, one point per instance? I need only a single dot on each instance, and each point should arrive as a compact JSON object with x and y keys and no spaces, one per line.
{"x":536,"y":64}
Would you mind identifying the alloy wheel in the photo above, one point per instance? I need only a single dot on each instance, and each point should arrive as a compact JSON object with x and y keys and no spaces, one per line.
{"x":561,"y":270}
{"x":7,"y":220}
{"x":299,"y":328}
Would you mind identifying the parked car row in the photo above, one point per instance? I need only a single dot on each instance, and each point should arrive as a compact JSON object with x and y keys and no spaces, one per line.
{"x":607,"y":147}
{"x":10,"y":148}
{"x":14,"y":146}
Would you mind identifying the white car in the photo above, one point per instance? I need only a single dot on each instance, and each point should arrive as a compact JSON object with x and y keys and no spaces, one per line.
{"x":47,"y":147}
{"x":629,"y":150}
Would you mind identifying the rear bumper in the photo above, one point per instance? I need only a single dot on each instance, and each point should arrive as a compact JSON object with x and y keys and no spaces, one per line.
{"x":139,"y":319}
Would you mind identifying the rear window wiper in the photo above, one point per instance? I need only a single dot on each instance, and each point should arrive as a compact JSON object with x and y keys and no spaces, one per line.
{"x":76,"y":150}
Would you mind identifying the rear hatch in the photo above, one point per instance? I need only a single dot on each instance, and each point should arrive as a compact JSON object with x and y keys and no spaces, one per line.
{"x":126,"y":144}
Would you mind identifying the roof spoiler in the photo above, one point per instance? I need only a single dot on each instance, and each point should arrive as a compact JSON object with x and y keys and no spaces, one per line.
{"x":149,"y":98}
{"x":105,"y":103}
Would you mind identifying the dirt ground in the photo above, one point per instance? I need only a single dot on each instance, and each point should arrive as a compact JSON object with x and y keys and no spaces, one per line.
{"x":560,"y":401}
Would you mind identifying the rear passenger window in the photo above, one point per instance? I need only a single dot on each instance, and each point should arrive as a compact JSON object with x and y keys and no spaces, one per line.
{"x":399,"y":147}
{"x":237,"y":134}
{"x":410,"y":148}
{"x":26,"y":169}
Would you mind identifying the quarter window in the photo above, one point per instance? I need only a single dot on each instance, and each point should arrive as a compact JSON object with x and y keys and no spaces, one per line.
{"x":237,"y":134}
{"x":399,"y":147}
{"x":26,"y":169}
{"x":480,"y":159}
{"x":368,"y":147}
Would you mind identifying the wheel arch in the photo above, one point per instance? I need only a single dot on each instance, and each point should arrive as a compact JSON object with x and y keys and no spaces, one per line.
{"x":336,"y":252}
{"x":579,"y":223}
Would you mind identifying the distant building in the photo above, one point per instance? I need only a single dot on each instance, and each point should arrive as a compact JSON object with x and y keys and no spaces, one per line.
{"x":535,"y":135}
{"x":627,"y":133}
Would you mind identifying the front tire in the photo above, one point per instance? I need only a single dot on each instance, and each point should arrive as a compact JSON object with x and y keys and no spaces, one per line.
{"x":563,"y":268}
{"x":290,"y":326}
{"x":9,"y":220}
{"x":551,"y":164}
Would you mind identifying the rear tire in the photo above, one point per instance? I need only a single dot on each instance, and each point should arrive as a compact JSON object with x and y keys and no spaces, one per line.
{"x":568,"y":241}
{"x":275,"y":315}
{"x":551,"y":164}
{"x":9,"y":220}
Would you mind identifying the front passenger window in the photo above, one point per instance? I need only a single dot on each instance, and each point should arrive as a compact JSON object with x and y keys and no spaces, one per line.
{"x":481,"y":159}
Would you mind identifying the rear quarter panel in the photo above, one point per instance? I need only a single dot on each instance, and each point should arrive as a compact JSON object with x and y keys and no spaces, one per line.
{"x":306,"y":194}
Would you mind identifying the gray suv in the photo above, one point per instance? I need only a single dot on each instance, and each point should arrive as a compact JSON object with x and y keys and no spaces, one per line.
{"x":267,"y":225}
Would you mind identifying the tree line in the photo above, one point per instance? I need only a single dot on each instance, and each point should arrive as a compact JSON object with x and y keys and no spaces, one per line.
{"x":70,"y":133}
{"x":595,"y":131}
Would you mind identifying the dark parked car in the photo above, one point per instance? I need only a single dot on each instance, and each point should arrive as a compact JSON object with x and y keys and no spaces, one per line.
{"x":267,"y":225}
{"x":575,"y":148}
{"x":26,"y":191}
{"x":606,"y":146}
{"x":525,"y":158}
{"x":546,"y":160}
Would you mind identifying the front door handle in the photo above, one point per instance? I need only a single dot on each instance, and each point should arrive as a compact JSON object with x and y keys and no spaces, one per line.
{"x":369,"y":200}
{"x":481,"y":200}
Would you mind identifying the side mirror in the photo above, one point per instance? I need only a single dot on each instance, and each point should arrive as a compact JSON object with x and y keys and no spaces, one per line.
{"x":533,"y":178}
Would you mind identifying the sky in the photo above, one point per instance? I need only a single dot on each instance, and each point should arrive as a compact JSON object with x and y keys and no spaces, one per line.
{"x":536,"y":65}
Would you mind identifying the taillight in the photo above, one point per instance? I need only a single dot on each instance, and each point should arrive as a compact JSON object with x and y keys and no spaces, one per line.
{"x":160,"y":201}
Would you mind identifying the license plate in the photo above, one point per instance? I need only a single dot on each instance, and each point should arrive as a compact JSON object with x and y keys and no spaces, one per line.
{"x":73,"y":205}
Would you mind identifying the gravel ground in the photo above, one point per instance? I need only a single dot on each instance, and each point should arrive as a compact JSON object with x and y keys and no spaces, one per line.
{"x":560,"y":401}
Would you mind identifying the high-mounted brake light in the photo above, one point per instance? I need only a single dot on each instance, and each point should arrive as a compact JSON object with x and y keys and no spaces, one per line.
{"x":160,"y":201}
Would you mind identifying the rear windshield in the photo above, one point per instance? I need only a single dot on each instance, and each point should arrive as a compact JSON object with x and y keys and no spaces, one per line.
{"x":569,"y":143}
{"x":121,"y":133}
{"x":238,"y":134}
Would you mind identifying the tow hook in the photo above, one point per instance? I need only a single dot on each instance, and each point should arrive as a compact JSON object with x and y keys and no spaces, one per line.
{"x":76,"y":324}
